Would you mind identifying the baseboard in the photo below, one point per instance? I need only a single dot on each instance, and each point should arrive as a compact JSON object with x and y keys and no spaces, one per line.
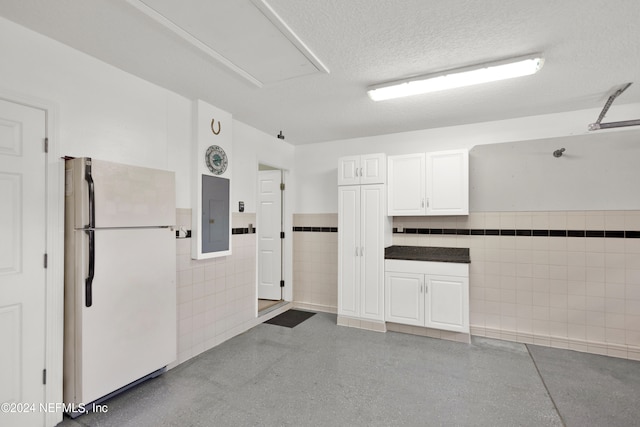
{"x":315,"y":307}
{"x":369,"y":325}
{"x":429,"y":332}
{"x":594,"y":347}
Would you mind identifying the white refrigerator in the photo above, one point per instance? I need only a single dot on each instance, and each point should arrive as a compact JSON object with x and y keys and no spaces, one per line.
{"x":120,"y":277}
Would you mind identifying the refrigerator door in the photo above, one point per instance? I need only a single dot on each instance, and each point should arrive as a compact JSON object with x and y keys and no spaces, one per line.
{"x":129,"y":330}
{"x":120,"y":195}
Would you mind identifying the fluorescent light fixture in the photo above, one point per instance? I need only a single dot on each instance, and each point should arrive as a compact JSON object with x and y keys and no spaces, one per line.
{"x":484,"y":73}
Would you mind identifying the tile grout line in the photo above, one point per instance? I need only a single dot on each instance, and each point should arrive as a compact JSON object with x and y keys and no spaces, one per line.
{"x":545,"y":385}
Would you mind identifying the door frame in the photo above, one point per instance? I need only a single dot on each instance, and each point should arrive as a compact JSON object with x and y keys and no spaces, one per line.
{"x":54,"y":241}
{"x":287,"y":250}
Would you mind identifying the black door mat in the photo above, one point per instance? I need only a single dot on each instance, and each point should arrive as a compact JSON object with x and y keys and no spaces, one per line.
{"x":290,"y":318}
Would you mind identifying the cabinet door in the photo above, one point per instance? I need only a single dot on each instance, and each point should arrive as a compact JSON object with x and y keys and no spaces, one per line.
{"x":372,"y":252}
{"x":447,"y":303}
{"x":404,"y":298}
{"x":373,"y":169}
{"x":349,"y":170}
{"x":406,"y":186}
{"x":349,"y":251}
{"x":448,"y":183}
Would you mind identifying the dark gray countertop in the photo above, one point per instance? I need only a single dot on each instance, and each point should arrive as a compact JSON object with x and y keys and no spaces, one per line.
{"x":428,"y":253}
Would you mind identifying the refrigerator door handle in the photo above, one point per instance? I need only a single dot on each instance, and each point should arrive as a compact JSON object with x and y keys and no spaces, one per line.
{"x":88,"y":282}
{"x":92,"y":200}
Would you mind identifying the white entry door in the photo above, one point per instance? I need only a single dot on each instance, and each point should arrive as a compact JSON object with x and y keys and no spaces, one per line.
{"x":22,"y":273}
{"x":269,"y":228}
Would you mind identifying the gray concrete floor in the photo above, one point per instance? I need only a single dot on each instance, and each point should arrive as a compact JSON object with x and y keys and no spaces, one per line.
{"x":321,"y":374}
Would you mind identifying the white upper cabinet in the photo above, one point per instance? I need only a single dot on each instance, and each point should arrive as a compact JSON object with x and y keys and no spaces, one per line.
{"x":448,"y":183}
{"x":406,"y":189}
{"x":429,"y":183}
{"x":365,"y":169}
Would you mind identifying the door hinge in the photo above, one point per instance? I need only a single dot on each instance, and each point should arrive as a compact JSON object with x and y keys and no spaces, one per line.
{"x":282,"y":283}
{"x":46,"y":145}
{"x":45,"y":260}
{"x":282,"y":234}
{"x":282,"y":186}
{"x":44,"y":376}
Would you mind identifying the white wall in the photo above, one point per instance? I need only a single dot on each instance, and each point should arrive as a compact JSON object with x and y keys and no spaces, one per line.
{"x":103,"y":112}
{"x":108,"y":114}
{"x":316,"y":164}
{"x":251,"y":147}
{"x":596,"y":172}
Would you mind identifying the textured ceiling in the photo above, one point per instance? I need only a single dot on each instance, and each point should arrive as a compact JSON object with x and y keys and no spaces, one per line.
{"x":590,"y":49}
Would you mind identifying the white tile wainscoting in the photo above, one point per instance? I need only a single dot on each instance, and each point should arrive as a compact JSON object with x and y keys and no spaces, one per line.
{"x":579,"y":293}
{"x":315,"y":262}
{"x":216,"y":297}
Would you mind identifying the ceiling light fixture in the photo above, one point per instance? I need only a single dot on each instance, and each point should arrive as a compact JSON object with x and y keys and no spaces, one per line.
{"x":473,"y":75}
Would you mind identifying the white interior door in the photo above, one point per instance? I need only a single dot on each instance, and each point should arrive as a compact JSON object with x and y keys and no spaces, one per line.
{"x":269,"y":228}
{"x":22,"y":248}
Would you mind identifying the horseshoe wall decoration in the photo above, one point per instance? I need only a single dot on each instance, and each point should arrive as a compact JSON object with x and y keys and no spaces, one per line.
{"x":212,"y":129}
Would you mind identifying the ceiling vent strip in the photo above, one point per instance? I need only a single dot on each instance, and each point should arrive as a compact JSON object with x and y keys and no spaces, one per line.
{"x":170,"y":25}
{"x":286,"y":31}
{"x":269,"y":53}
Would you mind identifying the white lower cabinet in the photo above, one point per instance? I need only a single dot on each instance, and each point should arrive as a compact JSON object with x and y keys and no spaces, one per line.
{"x":447,"y":303}
{"x":404,"y":298}
{"x":430,"y":294}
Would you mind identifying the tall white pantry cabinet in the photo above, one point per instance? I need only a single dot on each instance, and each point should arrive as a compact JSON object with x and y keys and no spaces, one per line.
{"x":364,"y":230}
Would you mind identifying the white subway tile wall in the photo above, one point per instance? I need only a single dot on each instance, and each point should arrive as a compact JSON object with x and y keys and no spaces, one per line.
{"x":580,"y":293}
{"x":216,"y":297}
{"x":315,"y":263}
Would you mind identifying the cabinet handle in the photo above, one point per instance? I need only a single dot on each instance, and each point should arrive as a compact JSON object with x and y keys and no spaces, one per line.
{"x":360,"y":171}
{"x":422,"y":204}
{"x":426,"y":289}
{"x":427,"y":202}
{"x":356,"y":251}
{"x":356,"y":171}
{"x":421,"y":287}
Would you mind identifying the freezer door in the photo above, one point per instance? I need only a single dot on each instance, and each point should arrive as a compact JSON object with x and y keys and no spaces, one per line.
{"x":129,"y":330}
{"x":120,"y":195}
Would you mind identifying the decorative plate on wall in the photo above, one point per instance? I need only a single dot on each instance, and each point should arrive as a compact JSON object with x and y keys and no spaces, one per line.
{"x":216,"y":160}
